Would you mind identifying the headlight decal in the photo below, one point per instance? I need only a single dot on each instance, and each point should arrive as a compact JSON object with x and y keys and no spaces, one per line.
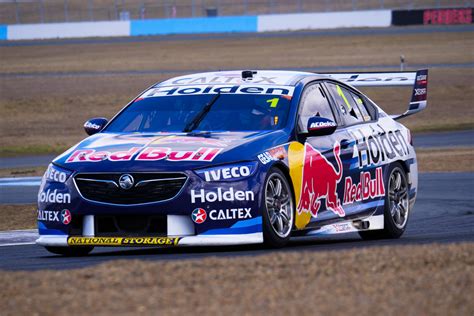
{"x":56,"y":174}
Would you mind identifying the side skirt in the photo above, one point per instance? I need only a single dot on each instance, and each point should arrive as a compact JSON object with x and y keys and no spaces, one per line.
{"x":374,"y":222}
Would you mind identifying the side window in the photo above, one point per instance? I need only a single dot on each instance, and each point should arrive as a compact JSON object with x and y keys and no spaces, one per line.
{"x":346,"y":104}
{"x":313,"y":103}
{"x":362,"y":107}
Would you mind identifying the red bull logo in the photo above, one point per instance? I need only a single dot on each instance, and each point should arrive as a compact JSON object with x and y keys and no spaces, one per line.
{"x":319,"y":180}
{"x":145,"y":154}
{"x":367,"y":188}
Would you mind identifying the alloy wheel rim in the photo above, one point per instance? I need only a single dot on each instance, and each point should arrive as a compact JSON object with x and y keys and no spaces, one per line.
{"x":398,"y":198}
{"x":279,"y":205}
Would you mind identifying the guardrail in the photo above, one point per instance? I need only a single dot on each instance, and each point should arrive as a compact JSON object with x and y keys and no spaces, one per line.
{"x":248,"y":24}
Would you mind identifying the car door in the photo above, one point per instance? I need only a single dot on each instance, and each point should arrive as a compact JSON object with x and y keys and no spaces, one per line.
{"x":363,"y":187}
{"x":321,"y":190}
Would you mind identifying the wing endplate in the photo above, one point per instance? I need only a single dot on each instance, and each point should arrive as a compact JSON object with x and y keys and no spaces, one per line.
{"x":417,"y":79}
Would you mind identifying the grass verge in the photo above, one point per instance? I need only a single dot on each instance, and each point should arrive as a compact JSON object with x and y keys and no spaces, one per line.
{"x":405,"y":280}
{"x":17,"y":217}
{"x":24,"y":150}
{"x":442,"y":127}
{"x":22,"y":172}
{"x":446,"y":160}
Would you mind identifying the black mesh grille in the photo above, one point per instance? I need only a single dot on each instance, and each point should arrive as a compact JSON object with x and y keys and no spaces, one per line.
{"x":75,"y":227}
{"x":148,"y":187}
{"x":130,"y":225}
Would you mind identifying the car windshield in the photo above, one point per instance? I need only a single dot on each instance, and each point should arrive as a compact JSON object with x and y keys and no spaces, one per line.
{"x":230,"y":112}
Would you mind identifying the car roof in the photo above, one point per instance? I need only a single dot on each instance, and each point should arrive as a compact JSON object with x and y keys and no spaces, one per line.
{"x":234,"y":77}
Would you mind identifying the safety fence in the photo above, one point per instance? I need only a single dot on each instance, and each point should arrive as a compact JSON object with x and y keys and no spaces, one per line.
{"x":248,"y":23}
{"x":54,"y":11}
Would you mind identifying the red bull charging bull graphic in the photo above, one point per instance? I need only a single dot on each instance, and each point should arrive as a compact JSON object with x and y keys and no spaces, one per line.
{"x":319,"y":180}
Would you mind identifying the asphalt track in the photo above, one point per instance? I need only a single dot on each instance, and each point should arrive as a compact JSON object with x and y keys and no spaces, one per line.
{"x":26,"y":161}
{"x":444,"y":213}
{"x":444,"y":139}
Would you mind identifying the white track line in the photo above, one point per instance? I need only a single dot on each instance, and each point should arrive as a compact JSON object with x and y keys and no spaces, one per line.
{"x":18,"y":237}
{"x":20,"y":184}
{"x":18,"y":244}
{"x":24,"y":181}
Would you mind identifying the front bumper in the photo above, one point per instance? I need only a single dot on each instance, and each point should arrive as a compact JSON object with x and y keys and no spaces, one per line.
{"x":232,"y":215}
{"x":180,"y":232}
{"x":210,"y":240}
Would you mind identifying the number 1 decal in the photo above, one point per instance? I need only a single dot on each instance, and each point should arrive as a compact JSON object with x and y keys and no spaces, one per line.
{"x":273,"y":102}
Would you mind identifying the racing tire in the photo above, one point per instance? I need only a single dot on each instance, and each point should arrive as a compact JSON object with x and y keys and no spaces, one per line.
{"x":70,"y":251}
{"x":278,"y":213}
{"x":397,"y":206}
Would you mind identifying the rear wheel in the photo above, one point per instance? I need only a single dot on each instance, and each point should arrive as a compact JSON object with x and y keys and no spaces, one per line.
{"x":397,"y":206}
{"x":70,"y":251}
{"x":279,"y":209}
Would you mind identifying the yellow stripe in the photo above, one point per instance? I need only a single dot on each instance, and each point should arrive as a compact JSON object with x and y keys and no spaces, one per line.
{"x":122,"y":241}
{"x":339,"y":91}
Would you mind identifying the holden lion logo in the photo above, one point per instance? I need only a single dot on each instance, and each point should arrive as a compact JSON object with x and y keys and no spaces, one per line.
{"x":126,"y":181}
{"x":199,"y":215}
{"x":66,"y":217}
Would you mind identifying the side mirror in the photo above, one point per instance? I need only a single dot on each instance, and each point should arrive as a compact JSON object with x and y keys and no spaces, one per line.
{"x":320,"y":126}
{"x":95,"y":125}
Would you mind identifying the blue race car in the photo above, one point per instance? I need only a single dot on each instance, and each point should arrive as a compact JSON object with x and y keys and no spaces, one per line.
{"x":236,"y":157}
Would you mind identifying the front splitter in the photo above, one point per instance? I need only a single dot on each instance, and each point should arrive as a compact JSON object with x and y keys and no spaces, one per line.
{"x":199,"y":240}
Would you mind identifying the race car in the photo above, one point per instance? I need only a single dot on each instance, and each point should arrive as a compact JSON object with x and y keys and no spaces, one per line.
{"x":236,"y":157}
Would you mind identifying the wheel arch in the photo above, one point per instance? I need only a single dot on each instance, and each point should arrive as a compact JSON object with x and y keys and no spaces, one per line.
{"x":404,"y":165}
{"x":406,"y":169}
{"x":271,"y":237}
{"x":286,"y":171}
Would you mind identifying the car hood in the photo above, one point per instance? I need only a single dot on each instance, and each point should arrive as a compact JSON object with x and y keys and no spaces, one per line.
{"x":133,"y":152}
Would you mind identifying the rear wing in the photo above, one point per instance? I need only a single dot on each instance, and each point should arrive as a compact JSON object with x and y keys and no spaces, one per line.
{"x":418,"y":79}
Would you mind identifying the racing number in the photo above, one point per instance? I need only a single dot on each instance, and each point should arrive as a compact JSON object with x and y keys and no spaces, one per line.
{"x":273,"y":102}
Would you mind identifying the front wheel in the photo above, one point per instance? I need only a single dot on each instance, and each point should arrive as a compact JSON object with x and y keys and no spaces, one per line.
{"x":70,"y":251}
{"x":279,"y":209}
{"x":397,"y":206}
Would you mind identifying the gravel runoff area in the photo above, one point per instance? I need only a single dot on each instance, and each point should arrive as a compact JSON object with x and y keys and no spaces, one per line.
{"x":18,"y":216}
{"x":446,"y":159}
{"x":405,"y":280}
